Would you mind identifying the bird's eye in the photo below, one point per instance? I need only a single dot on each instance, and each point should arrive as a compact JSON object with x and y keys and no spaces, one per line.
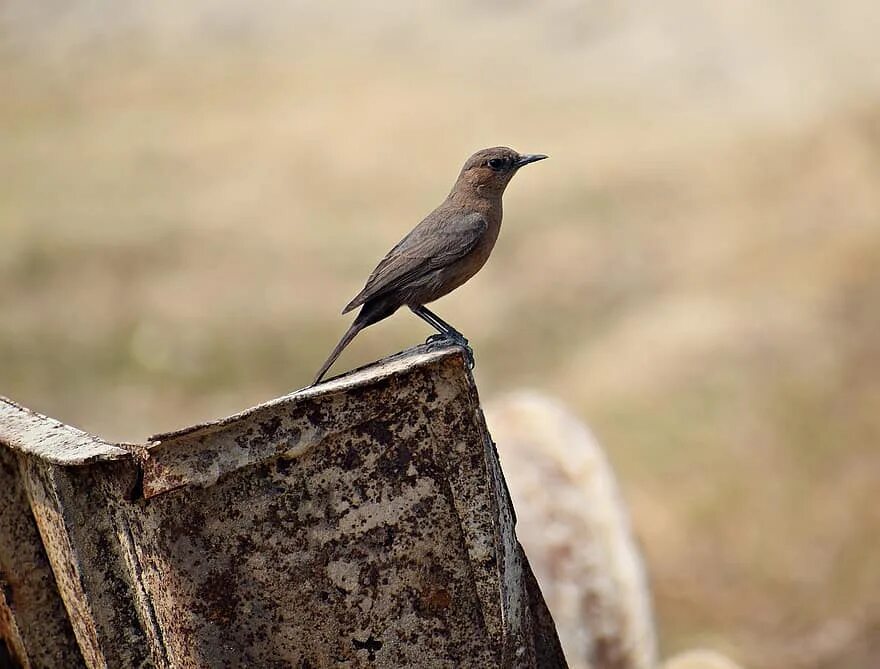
{"x":495,"y":163}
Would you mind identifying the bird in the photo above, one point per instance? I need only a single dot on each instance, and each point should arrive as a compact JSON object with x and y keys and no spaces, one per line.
{"x":444,"y":250}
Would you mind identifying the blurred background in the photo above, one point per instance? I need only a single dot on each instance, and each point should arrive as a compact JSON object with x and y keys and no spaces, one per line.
{"x":190,"y":192}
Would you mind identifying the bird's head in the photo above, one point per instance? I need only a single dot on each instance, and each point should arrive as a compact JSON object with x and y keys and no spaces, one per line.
{"x":488,"y":171}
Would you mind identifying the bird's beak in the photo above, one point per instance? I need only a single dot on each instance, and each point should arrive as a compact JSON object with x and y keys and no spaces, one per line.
{"x":527,"y":158}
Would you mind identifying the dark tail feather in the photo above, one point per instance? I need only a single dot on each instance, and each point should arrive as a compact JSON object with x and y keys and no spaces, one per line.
{"x":356,"y":327}
{"x":356,"y":302}
{"x":372,"y":312}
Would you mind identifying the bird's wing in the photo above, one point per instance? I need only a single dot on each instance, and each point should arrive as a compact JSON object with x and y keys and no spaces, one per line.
{"x":438,"y":241}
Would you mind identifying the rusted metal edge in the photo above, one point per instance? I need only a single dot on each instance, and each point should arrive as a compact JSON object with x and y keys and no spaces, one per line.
{"x":283,"y":427}
{"x":12,"y":648}
{"x":49,"y":514}
{"x":34,"y":434}
{"x":370,"y":373}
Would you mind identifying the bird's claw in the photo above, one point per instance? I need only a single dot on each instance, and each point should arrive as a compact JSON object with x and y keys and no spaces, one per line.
{"x":444,"y":338}
{"x":459,"y":340}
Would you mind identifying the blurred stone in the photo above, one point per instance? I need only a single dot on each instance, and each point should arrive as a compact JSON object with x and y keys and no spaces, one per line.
{"x":362,"y":522}
{"x":574,"y":526}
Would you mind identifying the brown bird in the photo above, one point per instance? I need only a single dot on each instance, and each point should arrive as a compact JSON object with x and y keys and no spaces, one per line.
{"x":442,"y":252}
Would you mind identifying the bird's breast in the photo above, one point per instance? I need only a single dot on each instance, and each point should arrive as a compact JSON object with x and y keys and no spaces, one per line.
{"x":448,"y":278}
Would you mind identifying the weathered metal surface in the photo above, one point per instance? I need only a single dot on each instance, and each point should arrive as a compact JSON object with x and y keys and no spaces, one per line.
{"x":362,"y":523}
{"x":268,"y":431}
{"x":33,"y":623}
{"x":377,"y":498}
{"x":72,"y":490}
{"x":79,"y":511}
{"x":31,"y":433}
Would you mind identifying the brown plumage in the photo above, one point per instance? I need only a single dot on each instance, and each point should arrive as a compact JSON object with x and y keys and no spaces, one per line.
{"x":442,"y":252}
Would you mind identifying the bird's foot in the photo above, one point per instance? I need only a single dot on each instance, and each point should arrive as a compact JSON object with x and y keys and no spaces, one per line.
{"x":457,"y":339}
{"x":445,"y":337}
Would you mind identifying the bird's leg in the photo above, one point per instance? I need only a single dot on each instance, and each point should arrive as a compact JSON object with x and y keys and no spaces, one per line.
{"x":444,"y":328}
{"x":446,"y":331}
{"x":426,"y":316}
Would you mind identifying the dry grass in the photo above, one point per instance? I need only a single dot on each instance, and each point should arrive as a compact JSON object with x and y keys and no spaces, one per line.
{"x":186,"y":203}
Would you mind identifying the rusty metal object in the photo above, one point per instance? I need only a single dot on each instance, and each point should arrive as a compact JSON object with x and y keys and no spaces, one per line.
{"x":362,"y":523}
{"x":33,"y":623}
{"x":75,"y":487}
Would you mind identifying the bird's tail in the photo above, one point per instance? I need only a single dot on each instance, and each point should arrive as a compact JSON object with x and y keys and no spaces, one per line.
{"x":370,"y":313}
{"x":345,"y":341}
